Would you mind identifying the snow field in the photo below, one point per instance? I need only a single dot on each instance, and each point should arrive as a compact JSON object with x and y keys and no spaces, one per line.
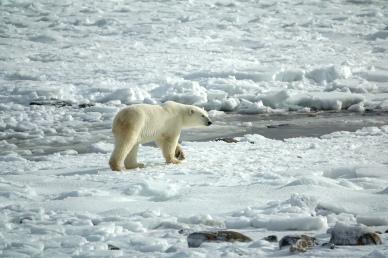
{"x":67,"y":67}
{"x":84,"y":207}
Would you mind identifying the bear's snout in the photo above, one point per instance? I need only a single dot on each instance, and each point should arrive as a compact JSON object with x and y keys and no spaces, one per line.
{"x":209,"y":123}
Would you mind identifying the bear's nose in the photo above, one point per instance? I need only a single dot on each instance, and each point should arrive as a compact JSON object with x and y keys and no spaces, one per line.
{"x":209,"y":123}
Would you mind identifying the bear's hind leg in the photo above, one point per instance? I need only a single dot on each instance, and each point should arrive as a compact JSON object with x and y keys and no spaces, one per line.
{"x":123,"y":146}
{"x":130,"y":161}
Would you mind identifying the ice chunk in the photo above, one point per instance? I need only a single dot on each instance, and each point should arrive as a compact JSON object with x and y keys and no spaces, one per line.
{"x":275,"y":99}
{"x":231,"y":104}
{"x":291,"y":223}
{"x":181,"y":90}
{"x":289,"y":75}
{"x":130,"y":95}
{"x":238,"y":222}
{"x":327,"y":101}
{"x":373,"y":220}
{"x":247,"y":107}
{"x":329,"y":73}
{"x":360,"y":108}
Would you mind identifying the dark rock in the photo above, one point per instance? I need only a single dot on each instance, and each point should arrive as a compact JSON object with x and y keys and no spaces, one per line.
{"x":288,"y":240}
{"x":271,"y":238}
{"x":298,"y":243}
{"x":342,"y":234}
{"x":51,"y":102}
{"x":277,"y":126}
{"x":227,"y":140}
{"x":330,"y":245}
{"x":85,"y":105}
{"x":197,"y":238}
{"x":24,"y":219}
{"x":378,"y":232}
{"x":112,"y":247}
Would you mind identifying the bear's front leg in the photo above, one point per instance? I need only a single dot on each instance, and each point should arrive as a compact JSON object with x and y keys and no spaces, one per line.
{"x":169,"y":146}
{"x":179,"y":152}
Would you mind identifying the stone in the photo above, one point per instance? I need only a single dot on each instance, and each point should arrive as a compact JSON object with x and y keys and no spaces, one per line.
{"x":112,"y":247}
{"x":227,"y":140}
{"x":298,"y":243}
{"x":353,"y":234}
{"x":271,"y":238}
{"x":330,"y":245}
{"x":86,"y":105}
{"x":197,"y":238}
{"x":51,"y":102}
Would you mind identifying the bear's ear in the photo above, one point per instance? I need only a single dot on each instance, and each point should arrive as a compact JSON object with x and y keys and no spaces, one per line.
{"x":191,"y":111}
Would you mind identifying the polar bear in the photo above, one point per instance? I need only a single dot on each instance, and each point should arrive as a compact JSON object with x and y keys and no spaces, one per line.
{"x":142,"y":123}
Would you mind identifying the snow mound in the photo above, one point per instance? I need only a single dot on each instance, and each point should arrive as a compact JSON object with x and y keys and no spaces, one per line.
{"x":101,"y":147}
{"x":131,"y":95}
{"x":352,"y":85}
{"x":247,"y":107}
{"x":357,"y":172}
{"x":381,"y":34}
{"x":373,"y":220}
{"x":375,"y":254}
{"x":291,"y":223}
{"x":289,"y":75}
{"x":148,"y":244}
{"x":375,"y":76}
{"x":296,"y":213}
{"x":327,"y":101}
{"x":181,"y":90}
{"x":81,"y":193}
{"x":311,"y":180}
{"x":276,"y":99}
{"x":156,"y":191}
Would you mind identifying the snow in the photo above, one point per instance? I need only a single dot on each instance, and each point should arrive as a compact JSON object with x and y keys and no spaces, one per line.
{"x":67,"y":67}
{"x":73,"y":204}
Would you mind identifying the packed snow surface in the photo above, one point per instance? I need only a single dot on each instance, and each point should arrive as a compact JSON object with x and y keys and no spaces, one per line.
{"x":67,"y":67}
{"x":69,"y":204}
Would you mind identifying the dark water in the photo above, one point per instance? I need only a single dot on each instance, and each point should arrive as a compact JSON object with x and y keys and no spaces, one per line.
{"x":282,"y":126}
{"x":274,"y":126}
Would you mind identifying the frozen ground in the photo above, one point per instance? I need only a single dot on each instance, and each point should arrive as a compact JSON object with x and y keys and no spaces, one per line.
{"x":284,"y":68}
{"x":66,"y":204}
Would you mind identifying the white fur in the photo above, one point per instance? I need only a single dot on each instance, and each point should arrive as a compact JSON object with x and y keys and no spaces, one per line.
{"x":144,"y":123}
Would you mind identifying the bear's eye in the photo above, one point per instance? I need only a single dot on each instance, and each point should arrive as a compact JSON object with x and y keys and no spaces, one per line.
{"x":203,"y":115}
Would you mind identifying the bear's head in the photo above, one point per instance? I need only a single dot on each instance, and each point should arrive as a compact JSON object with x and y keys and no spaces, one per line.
{"x":196,"y":117}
